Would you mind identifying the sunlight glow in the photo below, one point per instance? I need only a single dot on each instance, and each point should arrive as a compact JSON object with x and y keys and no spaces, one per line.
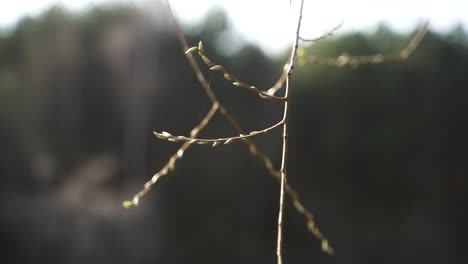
{"x":268,"y":23}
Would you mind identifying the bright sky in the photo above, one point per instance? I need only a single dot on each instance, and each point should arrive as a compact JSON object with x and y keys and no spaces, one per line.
{"x":269,"y":22}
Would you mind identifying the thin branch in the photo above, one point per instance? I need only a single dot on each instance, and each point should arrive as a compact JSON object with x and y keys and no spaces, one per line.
{"x":284,"y":156}
{"x":228,"y":76}
{"x":285,"y":77}
{"x":325,"y":35}
{"x":172,"y":161}
{"x":279,"y":84}
{"x":215,"y":141}
{"x":345,"y":60}
{"x":253,"y":148}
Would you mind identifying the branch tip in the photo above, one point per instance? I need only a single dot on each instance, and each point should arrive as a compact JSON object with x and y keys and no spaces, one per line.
{"x":200,"y":47}
{"x":127,"y":204}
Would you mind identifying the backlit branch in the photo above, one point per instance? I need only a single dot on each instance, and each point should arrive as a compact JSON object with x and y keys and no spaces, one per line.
{"x":215,"y":141}
{"x":346,"y":60}
{"x":172,"y":161}
{"x":279,"y":84}
{"x":228,"y":76}
{"x":284,"y":158}
{"x":325,"y":35}
{"x":253,"y":148}
{"x":285,"y":79}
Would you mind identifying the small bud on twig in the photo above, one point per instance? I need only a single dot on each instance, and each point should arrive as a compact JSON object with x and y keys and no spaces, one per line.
{"x":216,"y":68}
{"x":192,"y":49}
{"x":228,"y":77}
{"x":200,"y":47}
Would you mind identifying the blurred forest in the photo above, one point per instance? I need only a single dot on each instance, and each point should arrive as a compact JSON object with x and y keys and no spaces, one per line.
{"x":378,"y":153}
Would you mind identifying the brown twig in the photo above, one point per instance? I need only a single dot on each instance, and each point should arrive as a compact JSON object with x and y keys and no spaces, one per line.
{"x":284,"y":156}
{"x":254,"y":150}
{"x":279,"y":83}
{"x":215,"y":141}
{"x":286,"y":76}
{"x":171,"y":163}
{"x":228,"y":76}
{"x":346,"y":60}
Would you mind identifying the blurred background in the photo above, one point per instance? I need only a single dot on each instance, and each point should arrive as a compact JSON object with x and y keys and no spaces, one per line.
{"x":377,"y":152}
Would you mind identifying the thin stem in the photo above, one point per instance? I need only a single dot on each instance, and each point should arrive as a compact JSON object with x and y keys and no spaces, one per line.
{"x":284,"y":157}
{"x":215,"y":141}
{"x":253,"y":148}
{"x":228,"y":76}
{"x":171,"y":163}
{"x":324,"y":35}
{"x":279,"y":83}
{"x":345,"y":60}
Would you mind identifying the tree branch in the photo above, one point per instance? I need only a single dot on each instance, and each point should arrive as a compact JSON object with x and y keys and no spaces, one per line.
{"x":346,"y":60}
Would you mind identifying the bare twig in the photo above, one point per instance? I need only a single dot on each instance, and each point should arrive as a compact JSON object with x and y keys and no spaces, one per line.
{"x":325,"y":35}
{"x":286,"y":77}
{"x":345,"y":60}
{"x":228,"y":76}
{"x":284,"y":156}
{"x":279,"y":83}
{"x":171,"y":163}
{"x":253,"y":148}
{"x":215,"y":141}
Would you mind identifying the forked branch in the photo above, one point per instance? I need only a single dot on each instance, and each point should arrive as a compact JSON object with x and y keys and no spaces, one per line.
{"x":217,"y":106}
{"x":254,"y":150}
{"x":284,"y":156}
